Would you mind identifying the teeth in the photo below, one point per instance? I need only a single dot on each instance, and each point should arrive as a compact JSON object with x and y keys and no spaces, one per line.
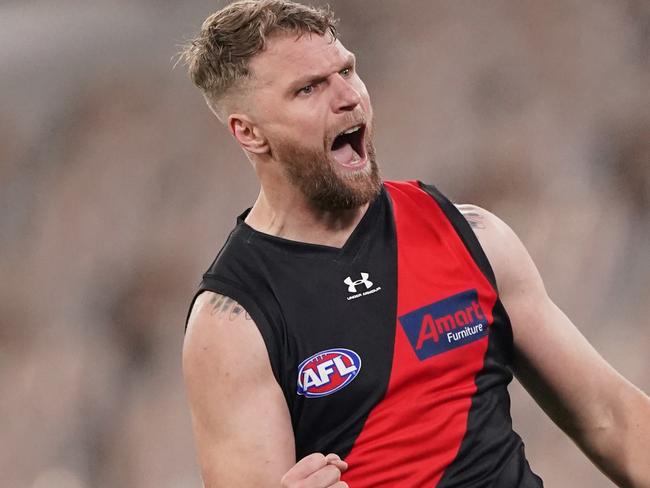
{"x":353,"y":129}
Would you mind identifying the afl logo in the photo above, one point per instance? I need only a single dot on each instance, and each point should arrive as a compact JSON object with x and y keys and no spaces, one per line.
{"x":327,"y":372}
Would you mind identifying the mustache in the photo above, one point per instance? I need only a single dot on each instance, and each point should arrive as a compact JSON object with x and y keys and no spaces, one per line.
{"x":350,"y":119}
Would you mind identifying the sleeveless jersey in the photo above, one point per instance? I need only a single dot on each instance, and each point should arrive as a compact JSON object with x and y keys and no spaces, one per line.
{"x":392,"y":351}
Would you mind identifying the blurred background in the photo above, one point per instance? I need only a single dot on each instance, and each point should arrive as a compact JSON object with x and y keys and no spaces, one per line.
{"x":118,"y":187}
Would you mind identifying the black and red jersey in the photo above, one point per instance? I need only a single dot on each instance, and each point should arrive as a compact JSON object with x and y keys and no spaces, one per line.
{"x":392,"y":351}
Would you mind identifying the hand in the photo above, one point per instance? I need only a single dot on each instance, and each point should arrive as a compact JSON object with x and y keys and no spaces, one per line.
{"x":316,"y":471}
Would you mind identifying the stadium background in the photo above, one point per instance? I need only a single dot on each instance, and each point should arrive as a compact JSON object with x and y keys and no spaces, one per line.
{"x":117,"y":187}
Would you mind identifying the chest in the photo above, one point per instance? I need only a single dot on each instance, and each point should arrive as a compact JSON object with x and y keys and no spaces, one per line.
{"x":406,"y":319}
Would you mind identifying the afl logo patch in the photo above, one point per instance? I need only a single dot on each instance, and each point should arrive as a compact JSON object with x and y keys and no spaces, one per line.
{"x":327,"y":372}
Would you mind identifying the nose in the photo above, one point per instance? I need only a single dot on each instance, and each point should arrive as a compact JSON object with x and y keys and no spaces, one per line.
{"x":346,"y":97}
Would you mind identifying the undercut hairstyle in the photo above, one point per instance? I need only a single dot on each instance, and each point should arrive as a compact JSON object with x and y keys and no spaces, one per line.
{"x":218,"y":58}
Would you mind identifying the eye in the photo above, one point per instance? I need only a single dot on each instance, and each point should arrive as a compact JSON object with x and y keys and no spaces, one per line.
{"x":306,"y":90}
{"x":345,"y":72}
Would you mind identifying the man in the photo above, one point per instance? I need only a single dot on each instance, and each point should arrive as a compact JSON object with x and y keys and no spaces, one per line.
{"x":356,"y":326}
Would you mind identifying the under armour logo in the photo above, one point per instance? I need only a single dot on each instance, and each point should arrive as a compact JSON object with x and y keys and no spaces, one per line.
{"x":352,"y":285}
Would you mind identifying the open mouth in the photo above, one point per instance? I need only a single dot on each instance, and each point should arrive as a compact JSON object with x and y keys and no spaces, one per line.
{"x":348,"y":147}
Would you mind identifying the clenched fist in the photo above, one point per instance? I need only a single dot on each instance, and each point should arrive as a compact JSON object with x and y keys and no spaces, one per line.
{"x":316,"y":471}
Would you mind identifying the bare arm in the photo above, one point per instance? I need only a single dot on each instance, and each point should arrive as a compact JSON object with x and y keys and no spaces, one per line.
{"x":607,"y":416}
{"x":239,"y":415}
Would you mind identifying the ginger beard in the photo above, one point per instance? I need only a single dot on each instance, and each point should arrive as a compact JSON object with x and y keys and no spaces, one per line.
{"x":314,"y":172}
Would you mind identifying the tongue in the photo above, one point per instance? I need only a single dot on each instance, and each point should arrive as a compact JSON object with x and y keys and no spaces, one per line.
{"x":345,"y":155}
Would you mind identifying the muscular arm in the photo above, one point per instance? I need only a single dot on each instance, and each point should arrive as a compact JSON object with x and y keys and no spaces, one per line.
{"x":607,"y":416}
{"x":239,"y":416}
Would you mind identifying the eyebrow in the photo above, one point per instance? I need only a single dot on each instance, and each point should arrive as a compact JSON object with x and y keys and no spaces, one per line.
{"x":312,"y":79}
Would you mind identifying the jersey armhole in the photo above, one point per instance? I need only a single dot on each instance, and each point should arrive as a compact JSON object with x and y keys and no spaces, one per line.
{"x":464,"y":231}
{"x":270,"y":336}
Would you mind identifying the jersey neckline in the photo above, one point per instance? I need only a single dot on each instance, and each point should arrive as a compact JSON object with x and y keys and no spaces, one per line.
{"x":349,"y":249}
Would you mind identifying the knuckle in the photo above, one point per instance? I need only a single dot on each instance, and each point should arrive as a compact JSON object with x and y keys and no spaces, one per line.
{"x":314,"y":461}
{"x":325,"y":476}
{"x":332,"y":473}
{"x":314,"y":458}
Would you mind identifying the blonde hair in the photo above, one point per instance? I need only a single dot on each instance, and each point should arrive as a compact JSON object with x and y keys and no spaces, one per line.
{"x":218,"y":58}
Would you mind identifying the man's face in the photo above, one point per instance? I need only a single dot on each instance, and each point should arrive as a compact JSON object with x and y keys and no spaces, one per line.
{"x":315,"y":112}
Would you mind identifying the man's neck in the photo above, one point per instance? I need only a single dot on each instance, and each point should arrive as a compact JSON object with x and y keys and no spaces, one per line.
{"x":291,"y":217}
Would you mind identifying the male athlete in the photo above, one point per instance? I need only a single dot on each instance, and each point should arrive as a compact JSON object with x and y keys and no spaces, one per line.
{"x":354,"y":332}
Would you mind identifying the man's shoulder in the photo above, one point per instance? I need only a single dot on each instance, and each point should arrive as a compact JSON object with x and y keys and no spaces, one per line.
{"x":234,"y":251}
{"x":508,"y":256}
{"x":477,"y":217}
{"x":489,"y":228}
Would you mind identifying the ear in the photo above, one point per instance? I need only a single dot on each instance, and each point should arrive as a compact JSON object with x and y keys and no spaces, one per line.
{"x":247,"y":134}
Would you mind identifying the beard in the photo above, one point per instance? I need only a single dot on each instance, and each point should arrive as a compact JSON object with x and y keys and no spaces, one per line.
{"x":313,"y":172}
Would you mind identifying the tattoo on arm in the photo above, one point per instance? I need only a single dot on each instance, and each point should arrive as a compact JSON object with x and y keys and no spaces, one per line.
{"x":475,"y":220}
{"x":235,"y":311}
{"x":227,"y":306}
